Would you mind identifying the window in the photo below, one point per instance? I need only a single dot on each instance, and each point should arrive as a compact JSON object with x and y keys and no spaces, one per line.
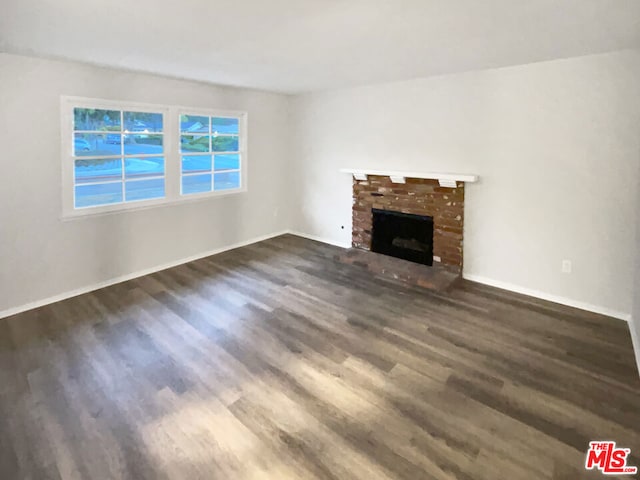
{"x":119,"y":156}
{"x":210,"y":151}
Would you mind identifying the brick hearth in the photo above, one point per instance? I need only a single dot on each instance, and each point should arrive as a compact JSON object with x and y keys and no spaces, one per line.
{"x":416,"y":196}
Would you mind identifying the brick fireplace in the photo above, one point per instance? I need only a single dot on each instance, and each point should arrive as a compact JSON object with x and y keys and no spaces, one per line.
{"x":417,"y":196}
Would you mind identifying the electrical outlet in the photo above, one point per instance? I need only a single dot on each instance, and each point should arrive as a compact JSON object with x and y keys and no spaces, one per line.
{"x":566,"y":266}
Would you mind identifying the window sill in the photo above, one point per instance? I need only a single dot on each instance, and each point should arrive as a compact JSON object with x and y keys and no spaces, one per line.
{"x":120,"y":208}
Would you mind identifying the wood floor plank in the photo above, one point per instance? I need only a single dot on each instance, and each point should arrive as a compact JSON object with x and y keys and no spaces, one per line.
{"x":275,"y":361}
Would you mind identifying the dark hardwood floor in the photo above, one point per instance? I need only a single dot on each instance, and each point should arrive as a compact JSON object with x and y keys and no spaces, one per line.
{"x":275,"y":361}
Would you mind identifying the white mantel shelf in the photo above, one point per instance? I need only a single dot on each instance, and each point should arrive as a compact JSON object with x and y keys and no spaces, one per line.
{"x":445,"y":179}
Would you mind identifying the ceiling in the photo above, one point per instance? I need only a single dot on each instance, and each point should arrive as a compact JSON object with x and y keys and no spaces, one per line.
{"x":295,"y":46}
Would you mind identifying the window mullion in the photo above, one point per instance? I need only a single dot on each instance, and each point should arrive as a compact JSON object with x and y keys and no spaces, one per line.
{"x":213,"y":157}
{"x":173,"y":156}
{"x":124,"y":198}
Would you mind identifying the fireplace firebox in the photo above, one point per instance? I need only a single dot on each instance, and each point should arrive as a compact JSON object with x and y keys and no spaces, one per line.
{"x":403,"y":235}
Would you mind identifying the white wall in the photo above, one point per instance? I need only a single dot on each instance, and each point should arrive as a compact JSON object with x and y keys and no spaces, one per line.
{"x":42,"y":256}
{"x":635,"y":314}
{"x":556,"y":146}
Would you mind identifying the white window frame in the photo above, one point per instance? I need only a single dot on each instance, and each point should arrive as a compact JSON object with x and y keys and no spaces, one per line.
{"x":172,"y":156}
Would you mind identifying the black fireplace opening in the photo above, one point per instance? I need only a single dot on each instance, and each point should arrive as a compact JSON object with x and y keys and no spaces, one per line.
{"x":403,"y":235}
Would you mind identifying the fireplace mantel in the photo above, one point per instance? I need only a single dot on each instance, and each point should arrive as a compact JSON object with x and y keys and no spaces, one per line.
{"x":445,"y":179}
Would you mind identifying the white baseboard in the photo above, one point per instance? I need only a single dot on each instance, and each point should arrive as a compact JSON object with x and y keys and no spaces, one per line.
{"x":321,"y":239}
{"x":130,"y":276}
{"x":549,"y":297}
{"x":140,"y":273}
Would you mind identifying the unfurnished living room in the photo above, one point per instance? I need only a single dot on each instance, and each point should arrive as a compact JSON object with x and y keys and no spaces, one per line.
{"x":320,"y":239}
